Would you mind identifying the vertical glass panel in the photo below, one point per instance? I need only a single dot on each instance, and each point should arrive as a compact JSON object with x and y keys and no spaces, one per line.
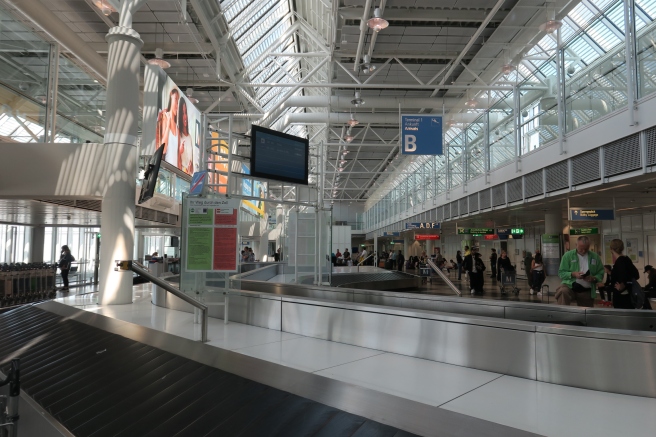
{"x":80,"y":105}
{"x":646,"y":56}
{"x":23,"y":82}
{"x":502,"y":137}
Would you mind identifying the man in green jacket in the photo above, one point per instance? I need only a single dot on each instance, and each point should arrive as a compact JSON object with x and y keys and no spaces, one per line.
{"x":579,"y":270}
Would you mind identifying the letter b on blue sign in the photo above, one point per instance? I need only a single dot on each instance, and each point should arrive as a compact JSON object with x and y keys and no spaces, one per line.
{"x":410,"y":143}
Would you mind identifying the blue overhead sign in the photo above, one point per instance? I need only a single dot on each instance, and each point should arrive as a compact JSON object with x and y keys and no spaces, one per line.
{"x":198,"y":181}
{"x":428,"y":225}
{"x":421,"y":135}
{"x":587,"y":214}
{"x":391,"y":234}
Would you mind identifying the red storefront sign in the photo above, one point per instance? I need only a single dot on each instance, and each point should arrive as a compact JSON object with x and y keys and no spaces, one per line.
{"x":492,"y":237}
{"x":426,"y":237}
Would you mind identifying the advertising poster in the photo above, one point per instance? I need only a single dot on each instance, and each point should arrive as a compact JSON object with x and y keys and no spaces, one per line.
{"x":256,"y":189}
{"x":178,"y":126}
{"x":218,"y":146}
{"x":551,"y":253}
{"x":212,"y":235}
{"x":632,"y":249}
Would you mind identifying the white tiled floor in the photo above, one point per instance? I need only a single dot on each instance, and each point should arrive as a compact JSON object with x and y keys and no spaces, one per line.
{"x":424,"y":381}
{"x":556,"y":410}
{"x":546,"y":409}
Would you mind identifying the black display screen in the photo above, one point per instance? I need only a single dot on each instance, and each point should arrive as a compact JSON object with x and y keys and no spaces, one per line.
{"x":279,"y":156}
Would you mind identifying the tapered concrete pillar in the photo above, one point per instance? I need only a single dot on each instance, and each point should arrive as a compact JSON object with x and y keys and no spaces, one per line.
{"x":117,"y":218}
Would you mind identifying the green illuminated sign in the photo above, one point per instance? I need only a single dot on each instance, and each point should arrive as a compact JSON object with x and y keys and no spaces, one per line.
{"x":517,"y":231}
{"x":476,"y":231}
{"x":583,"y":231}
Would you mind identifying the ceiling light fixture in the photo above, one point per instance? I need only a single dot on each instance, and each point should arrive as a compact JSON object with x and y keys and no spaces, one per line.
{"x":377,"y":22}
{"x":105,"y":7}
{"x":190,"y":92}
{"x":471,"y":103}
{"x":357,"y":101}
{"x":352,"y":121}
{"x":348,"y":138}
{"x":159,"y":60}
{"x":340,"y":169}
{"x":506,"y":69}
{"x":551,"y":25}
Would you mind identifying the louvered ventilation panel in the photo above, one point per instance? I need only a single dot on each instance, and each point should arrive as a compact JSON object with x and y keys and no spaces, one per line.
{"x":473,"y":202}
{"x":557,"y":177}
{"x":485,"y":201}
{"x":499,"y":195}
{"x":622,"y":156}
{"x":462,"y":206}
{"x":533,"y":184}
{"x":585,"y":167}
{"x":447,"y":211}
{"x":439,"y":214}
{"x":651,"y":146}
{"x":515,"y":190}
{"x":454,"y":209}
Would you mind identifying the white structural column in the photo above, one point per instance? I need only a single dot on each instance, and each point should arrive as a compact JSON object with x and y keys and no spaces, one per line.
{"x":117,"y":219}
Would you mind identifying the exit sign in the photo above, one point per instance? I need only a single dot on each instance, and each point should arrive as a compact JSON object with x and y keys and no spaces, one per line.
{"x":517,"y":231}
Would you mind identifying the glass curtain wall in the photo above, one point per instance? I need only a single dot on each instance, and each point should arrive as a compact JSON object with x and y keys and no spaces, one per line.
{"x":588,"y":71}
{"x":82,"y":242}
{"x":26,"y":73}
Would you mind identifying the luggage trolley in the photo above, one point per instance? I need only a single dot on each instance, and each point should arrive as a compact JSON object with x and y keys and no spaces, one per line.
{"x":425,"y":273}
{"x":508,"y":282}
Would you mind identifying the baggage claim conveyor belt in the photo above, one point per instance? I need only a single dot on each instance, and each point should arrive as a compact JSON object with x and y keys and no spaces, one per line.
{"x":96,"y":381}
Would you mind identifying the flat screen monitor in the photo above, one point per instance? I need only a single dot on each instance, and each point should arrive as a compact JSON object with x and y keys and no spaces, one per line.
{"x":279,"y":156}
{"x":150,"y":176}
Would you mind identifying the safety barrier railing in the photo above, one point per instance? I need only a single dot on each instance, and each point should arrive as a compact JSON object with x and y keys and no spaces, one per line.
{"x":444,"y":277}
{"x":141,"y":271}
{"x":9,"y":404}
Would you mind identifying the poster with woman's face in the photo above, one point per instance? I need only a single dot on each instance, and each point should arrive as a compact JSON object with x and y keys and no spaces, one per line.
{"x":178,"y":128}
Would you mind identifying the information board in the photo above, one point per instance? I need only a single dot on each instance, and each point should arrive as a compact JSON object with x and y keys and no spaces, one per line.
{"x":212,"y":231}
{"x":475,"y":231}
{"x":423,"y":225}
{"x":591,"y":214}
{"x":551,"y":253}
{"x":421,"y":135}
{"x":426,"y":237}
{"x":583,"y":231}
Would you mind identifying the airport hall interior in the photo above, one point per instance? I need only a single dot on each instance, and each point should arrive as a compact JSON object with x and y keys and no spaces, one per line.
{"x":323,"y":218}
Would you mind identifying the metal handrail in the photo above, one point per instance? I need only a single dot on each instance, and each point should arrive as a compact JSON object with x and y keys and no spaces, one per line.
{"x":360,"y":263}
{"x":139,"y":270}
{"x":444,"y":277}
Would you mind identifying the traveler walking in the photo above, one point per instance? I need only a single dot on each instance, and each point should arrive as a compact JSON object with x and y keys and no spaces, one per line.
{"x":493,"y":263}
{"x":580,"y":270}
{"x":503,"y":263}
{"x":64,"y":263}
{"x":537,"y":274}
{"x":622,"y":276}
{"x":459,"y":264}
{"x":393,"y":259}
{"x":399,"y":261}
{"x":528,"y":261}
{"x":473,"y":265}
{"x":606,"y":290}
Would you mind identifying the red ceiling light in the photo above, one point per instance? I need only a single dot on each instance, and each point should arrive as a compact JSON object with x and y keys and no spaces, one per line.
{"x":377,"y":22}
{"x":507,"y":69}
{"x":159,"y":60}
{"x":352,"y":121}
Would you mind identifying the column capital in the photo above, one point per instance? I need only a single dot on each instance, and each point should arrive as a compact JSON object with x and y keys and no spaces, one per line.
{"x":124,"y":33}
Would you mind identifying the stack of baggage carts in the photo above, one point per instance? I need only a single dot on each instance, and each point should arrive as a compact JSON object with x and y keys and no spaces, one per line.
{"x":24,"y":283}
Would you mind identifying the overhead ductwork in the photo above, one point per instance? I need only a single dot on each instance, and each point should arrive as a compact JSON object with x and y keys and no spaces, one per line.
{"x":344,"y":102}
